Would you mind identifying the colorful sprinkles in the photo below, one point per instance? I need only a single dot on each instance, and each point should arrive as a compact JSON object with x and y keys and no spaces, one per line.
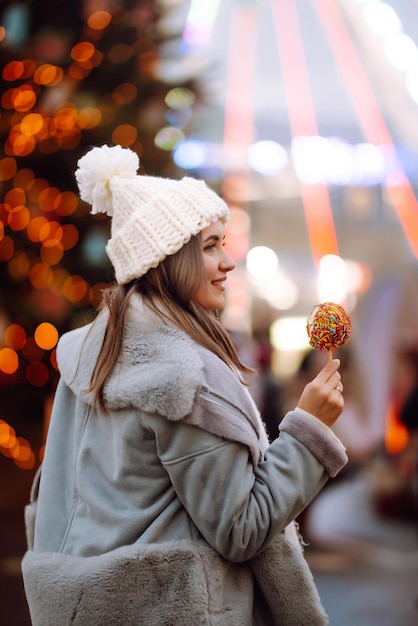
{"x":328,"y":326}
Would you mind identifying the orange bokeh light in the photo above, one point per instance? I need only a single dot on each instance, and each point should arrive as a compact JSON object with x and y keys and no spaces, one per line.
{"x":125,"y":135}
{"x":19,"y":218}
{"x":15,"y":336}
{"x":19,"y":266}
{"x":35,"y":227}
{"x":13,"y":70}
{"x":31,"y":124}
{"x":57,"y":279}
{"x":82,"y":51}
{"x":75,"y":288}
{"x":23,"y":455}
{"x":52,"y":251}
{"x":9,"y":361}
{"x":48,"y":74}
{"x":15,"y":197}
{"x":90,"y":117}
{"x":24,"y":178}
{"x":51,"y":230}
{"x":47,"y":199}
{"x":70,"y":236}
{"x":8,"y":168}
{"x":19,"y":145}
{"x":7,"y":248}
{"x":23,"y":98}
{"x":40,"y":275}
{"x":16,"y":70}
{"x":6,"y":433}
{"x":46,"y":336}
{"x":66,"y":203}
{"x":99,"y":20}
{"x":124,"y":93}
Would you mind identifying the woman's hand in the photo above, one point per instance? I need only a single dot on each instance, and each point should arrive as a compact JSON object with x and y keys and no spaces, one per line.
{"x":323,"y":397}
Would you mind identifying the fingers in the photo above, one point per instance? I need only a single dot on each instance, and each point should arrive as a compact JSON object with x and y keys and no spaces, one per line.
{"x":323,"y":396}
{"x":329,"y":376}
{"x":329,"y":370}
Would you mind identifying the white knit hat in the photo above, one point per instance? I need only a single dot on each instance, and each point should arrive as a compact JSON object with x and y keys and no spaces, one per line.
{"x":151,"y":217}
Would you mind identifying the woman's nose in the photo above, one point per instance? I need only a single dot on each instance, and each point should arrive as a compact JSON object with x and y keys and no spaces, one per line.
{"x":227,"y":263}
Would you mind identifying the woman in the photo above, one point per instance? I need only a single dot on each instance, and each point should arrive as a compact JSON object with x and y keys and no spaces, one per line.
{"x":161,"y":500}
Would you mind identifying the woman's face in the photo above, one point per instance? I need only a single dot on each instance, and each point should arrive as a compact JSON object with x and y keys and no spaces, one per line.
{"x":217,"y":263}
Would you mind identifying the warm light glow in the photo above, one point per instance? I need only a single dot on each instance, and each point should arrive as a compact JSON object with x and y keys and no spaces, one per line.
{"x":267,"y":157}
{"x":7,"y":248}
{"x":125,"y":135}
{"x":19,"y":266}
{"x":70,"y":236}
{"x":370,"y":117}
{"x":99,"y":20}
{"x":75,"y":288}
{"x":46,"y":336}
{"x":31,"y":124}
{"x":90,"y":117}
{"x":8,"y":168}
{"x":23,"y":98}
{"x":332,"y":281}
{"x":9,"y":361}
{"x":315,"y":198}
{"x":18,"y":218}
{"x":16,"y":448}
{"x":66,"y":203}
{"x":48,"y":74}
{"x":40,"y":275}
{"x":47,"y":199}
{"x":289,"y":333}
{"x":51,"y":251}
{"x":124,"y":93}
{"x":237,"y":234}
{"x":82,"y":51}
{"x":262,"y":261}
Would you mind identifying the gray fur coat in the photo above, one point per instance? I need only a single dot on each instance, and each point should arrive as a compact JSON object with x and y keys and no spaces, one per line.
{"x":171,"y":508}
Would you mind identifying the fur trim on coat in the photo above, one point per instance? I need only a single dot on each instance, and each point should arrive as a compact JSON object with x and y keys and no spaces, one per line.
{"x":179,"y":583}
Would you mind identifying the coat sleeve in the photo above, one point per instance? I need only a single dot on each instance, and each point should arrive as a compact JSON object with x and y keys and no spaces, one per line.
{"x":238,"y":508}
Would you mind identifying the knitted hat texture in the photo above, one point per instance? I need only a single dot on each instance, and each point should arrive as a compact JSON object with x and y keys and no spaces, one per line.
{"x":152,"y":217}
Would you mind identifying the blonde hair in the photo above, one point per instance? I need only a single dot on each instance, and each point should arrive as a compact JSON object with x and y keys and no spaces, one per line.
{"x":168,"y":290}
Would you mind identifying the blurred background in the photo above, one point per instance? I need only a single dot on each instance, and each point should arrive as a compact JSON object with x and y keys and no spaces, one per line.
{"x":303,"y":115}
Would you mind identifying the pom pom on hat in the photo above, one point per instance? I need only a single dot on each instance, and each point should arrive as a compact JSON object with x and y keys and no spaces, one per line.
{"x":97,"y":168}
{"x":152,"y":217}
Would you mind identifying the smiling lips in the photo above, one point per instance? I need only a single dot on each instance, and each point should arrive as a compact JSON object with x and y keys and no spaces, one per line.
{"x":219,"y":284}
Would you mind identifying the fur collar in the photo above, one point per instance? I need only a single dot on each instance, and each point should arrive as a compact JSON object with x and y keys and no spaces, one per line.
{"x":159,"y":369}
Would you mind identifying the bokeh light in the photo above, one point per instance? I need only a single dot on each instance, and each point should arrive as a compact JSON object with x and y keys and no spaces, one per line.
{"x":46,"y":336}
{"x":262,"y":261}
{"x":9,"y":361}
{"x":99,"y":20}
{"x":54,"y":263}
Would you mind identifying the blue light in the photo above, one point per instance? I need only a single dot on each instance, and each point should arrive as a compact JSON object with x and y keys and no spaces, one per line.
{"x":189,"y":154}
